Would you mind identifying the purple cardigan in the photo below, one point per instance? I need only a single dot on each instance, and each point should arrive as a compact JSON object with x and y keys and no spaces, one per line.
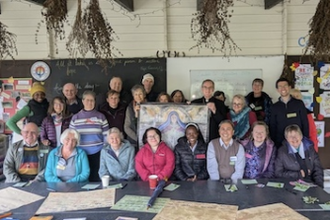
{"x":267,"y":162}
{"x":48,"y":131}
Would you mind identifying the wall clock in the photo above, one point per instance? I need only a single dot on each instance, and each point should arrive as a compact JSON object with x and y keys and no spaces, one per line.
{"x":40,"y":71}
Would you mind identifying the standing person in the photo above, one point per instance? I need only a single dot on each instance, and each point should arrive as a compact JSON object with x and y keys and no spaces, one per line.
{"x":310,"y":116}
{"x":57,"y":120}
{"x":132,"y":114}
{"x":117,"y":158}
{"x":286,"y":111}
{"x":177,"y":96}
{"x":155,"y":157}
{"x":67,"y":163}
{"x":26,"y":159}
{"x":242,"y":117}
{"x":259,"y":153}
{"x":217,"y":107}
{"x":114,"y":111}
{"x":222,"y":97}
{"x":148,"y":82}
{"x":115,"y":84}
{"x":73,"y":102}
{"x":225,"y":156}
{"x":259,"y":101}
{"x":35,"y":111}
{"x":297,"y":159}
{"x":92,"y":127}
{"x":190,"y":155}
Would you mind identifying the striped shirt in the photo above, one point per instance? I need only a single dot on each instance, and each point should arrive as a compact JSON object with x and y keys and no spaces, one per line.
{"x":29,"y":166}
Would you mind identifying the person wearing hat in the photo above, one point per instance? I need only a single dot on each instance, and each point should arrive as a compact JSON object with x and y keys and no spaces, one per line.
{"x":190,"y":155}
{"x":35,"y":111}
{"x":148,"y":82}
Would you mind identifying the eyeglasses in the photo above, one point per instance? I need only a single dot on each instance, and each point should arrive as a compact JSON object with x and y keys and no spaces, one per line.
{"x":152,"y":137}
{"x":29,"y":132}
{"x":237,"y":104}
{"x":205,"y":87}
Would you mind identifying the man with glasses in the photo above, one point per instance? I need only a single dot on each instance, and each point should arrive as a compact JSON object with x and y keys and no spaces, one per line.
{"x":26,"y":159}
{"x":286,"y":111}
{"x":217,"y":107}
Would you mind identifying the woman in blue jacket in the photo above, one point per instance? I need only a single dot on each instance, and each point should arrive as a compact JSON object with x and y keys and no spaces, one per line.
{"x":67,"y":163}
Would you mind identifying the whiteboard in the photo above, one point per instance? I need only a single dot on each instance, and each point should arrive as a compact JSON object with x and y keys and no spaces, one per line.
{"x":230,"y":81}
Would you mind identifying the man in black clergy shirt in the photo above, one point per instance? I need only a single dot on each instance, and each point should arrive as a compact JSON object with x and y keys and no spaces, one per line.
{"x":217,"y":107}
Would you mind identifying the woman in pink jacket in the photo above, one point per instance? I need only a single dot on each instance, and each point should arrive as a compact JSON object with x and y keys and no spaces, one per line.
{"x":155,"y":157}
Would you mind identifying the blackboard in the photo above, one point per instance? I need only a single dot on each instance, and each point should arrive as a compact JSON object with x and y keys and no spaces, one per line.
{"x":88,"y":74}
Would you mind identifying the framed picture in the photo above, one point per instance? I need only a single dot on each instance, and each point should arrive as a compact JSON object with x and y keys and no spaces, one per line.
{"x":171,"y":120}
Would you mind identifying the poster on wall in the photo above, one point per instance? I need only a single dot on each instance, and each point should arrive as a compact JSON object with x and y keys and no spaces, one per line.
{"x":325,"y":77}
{"x":325,"y":104}
{"x":320,"y":132}
{"x":171,"y":120}
{"x":304,"y":77}
{"x":14,"y":94}
{"x":307,"y":98}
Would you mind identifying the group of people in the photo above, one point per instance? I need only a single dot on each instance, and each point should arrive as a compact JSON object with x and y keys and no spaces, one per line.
{"x":85,"y":139}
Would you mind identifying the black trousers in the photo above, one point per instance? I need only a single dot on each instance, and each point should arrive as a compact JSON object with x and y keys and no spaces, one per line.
{"x":94,"y":164}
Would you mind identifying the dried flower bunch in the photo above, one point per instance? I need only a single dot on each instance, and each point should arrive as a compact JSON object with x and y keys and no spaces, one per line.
{"x":7,"y":43}
{"x":77,"y":40}
{"x":210,"y":26}
{"x":100,"y":34}
{"x":319,"y":34}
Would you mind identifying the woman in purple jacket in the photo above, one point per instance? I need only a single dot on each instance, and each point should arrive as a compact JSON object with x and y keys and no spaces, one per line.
{"x":57,"y":120}
{"x":259,"y":153}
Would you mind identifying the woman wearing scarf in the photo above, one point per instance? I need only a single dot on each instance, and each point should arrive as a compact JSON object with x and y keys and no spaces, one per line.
{"x":57,"y":120}
{"x":241,"y":116}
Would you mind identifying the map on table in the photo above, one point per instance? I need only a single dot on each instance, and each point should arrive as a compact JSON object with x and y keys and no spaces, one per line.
{"x":139,"y":204}
{"x":9,"y":198}
{"x":277,"y":211}
{"x":177,"y":209}
{"x":62,"y":202}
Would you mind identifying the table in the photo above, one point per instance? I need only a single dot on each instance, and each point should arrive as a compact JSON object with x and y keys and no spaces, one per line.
{"x":247,"y":196}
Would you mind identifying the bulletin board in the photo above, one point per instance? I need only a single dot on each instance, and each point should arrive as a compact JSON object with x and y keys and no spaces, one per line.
{"x":14,"y":95}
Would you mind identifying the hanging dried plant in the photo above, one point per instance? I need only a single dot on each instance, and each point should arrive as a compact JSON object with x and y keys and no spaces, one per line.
{"x":210,"y":26}
{"x":7,"y":43}
{"x":100,"y":34}
{"x":77,"y":40}
{"x":319,"y":34}
{"x":55,"y":14}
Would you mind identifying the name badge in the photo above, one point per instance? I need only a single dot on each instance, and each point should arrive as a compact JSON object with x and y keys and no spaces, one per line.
{"x":233,"y":160}
{"x":291,"y":115}
{"x":44,"y":151}
{"x":161,"y":155}
{"x":258,"y":108}
{"x":60,"y":167}
{"x":248,"y":155}
{"x":252,"y":106}
{"x":200,"y":156}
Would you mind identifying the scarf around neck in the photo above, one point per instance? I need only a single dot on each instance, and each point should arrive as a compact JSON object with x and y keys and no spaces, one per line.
{"x":242,"y":122}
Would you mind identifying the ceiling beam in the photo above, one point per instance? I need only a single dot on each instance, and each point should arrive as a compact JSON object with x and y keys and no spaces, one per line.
{"x":38,"y":2}
{"x":271,"y":3}
{"x":127,"y":4}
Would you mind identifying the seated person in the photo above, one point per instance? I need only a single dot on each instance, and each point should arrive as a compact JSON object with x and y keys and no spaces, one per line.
{"x":242,"y":117}
{"x":297,"y":159}
{"x":26,"y":159}
{"x":225,"y":156}
{"x":67,"y":163}
{"x":155,"y":157}
{"x":117,"y":158}
{"x":190,"y":159}
{"x":259,"y":153}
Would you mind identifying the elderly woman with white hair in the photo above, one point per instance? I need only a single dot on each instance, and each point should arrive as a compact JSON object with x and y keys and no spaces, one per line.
{"x":117,"y":158}
{"x":242,"y":117}
{"x":67,"y":163}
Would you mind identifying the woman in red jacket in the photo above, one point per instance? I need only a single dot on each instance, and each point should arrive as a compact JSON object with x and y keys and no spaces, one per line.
{"x":155,"y":157}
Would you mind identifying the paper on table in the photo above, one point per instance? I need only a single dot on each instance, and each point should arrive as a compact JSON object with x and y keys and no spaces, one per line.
{"x":115,"y":186}
{"x":9,"y":199}
{"x":249,"y":181}
{"x":301,"y":187}
{"x":231,"y":188}
{"x":275,"y":184}
{"x":325,"y":206}
{"x":90,"y":186}
{"x":172,"y":187}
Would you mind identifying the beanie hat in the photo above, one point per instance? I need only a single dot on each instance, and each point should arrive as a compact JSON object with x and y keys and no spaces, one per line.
{"x":147,"y":76}
{"x":37,"y":87}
